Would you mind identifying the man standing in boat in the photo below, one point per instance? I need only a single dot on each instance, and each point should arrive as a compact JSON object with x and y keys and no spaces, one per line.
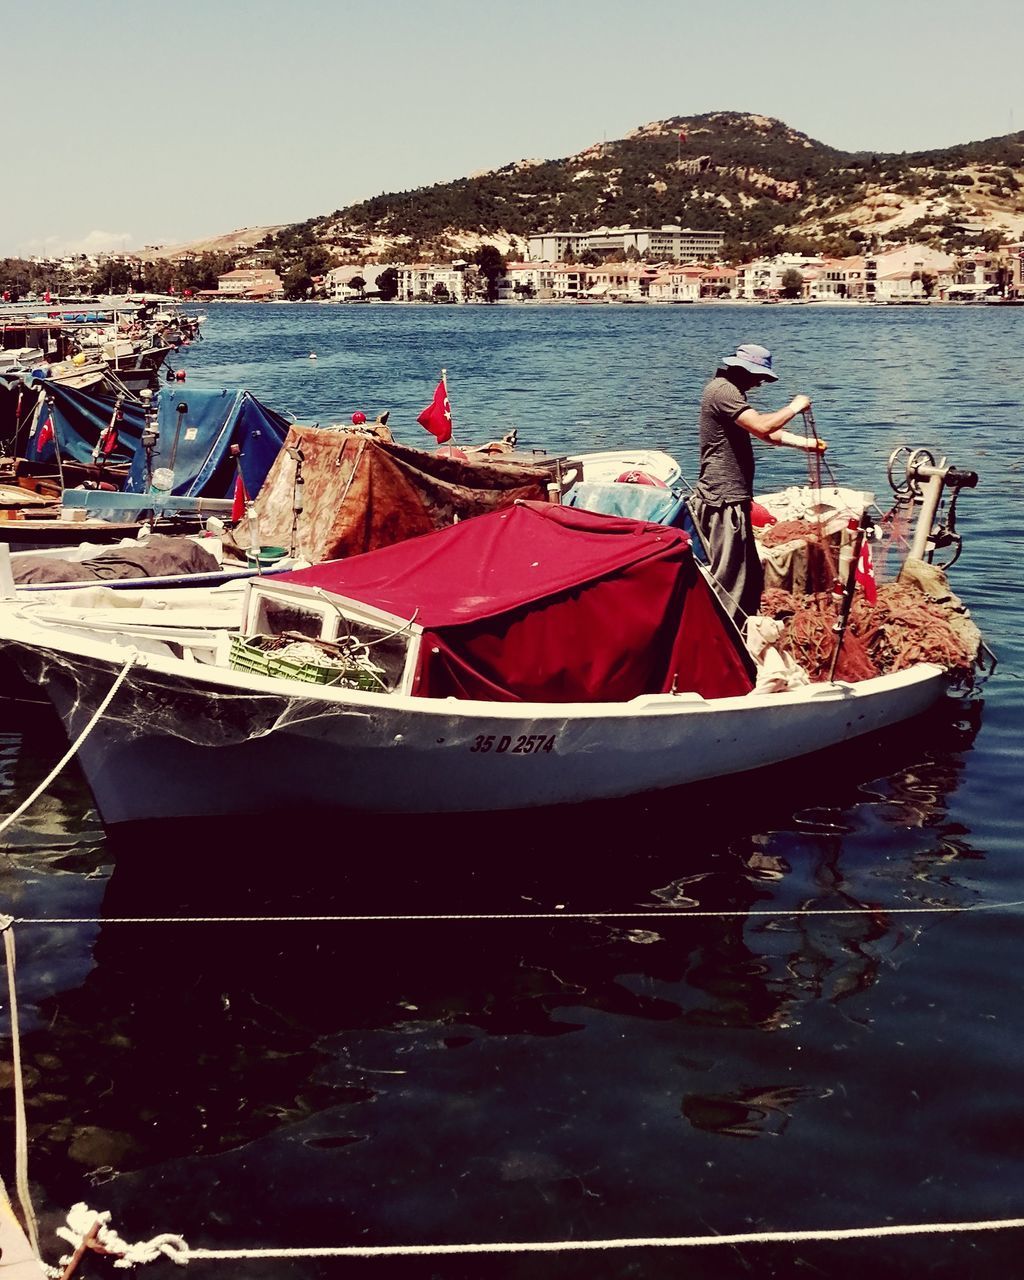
{"x":720,"y":504}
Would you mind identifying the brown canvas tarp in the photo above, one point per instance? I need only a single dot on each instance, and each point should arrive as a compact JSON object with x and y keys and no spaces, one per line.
{"x":361,"y":491}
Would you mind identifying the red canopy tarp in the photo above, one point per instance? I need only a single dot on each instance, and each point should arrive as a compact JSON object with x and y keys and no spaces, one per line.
{"x":542,"y":603}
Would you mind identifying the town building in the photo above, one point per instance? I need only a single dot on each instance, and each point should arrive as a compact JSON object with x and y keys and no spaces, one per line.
{"x":542,"y":280}
{"x":337,"y":283}
{"x":676,"y":284}
{"x":663,"y":244}
{"x":250,"y":282}
{"x":426,"y":281}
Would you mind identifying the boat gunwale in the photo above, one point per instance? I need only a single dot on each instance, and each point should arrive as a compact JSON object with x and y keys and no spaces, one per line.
{"x":229,"y":680}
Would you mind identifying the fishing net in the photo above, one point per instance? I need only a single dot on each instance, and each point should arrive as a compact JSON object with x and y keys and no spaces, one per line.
{"x":903,"y":627}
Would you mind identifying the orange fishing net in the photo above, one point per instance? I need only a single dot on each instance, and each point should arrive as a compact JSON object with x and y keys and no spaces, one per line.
{"x":901,"y":628}
{"x":786,"y":530}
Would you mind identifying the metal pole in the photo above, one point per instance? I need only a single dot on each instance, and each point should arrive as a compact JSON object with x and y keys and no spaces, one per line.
{"x":930,"y":498}
{"x":181,"y":411}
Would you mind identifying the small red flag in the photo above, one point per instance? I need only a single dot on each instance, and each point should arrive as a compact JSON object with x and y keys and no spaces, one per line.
{"x":866,"y":573}
{"x":238,"y":503}
{"x":45,"y":435}
{"x":682,"y":136}
{"x":437,"y":416}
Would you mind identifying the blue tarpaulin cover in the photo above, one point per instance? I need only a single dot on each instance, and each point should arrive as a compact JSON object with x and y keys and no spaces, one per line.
{"x":638,"y":502}
{"x":73,"y":420}
{"x":215,"y":420}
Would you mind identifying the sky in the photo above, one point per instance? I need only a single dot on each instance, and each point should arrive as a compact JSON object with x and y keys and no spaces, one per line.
{"x":140,"y":123}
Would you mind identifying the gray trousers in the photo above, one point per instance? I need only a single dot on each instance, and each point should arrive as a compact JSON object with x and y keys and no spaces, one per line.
{"x":728,"y":538}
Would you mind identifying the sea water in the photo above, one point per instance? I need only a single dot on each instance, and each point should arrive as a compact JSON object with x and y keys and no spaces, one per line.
{"x":826,"y":1033}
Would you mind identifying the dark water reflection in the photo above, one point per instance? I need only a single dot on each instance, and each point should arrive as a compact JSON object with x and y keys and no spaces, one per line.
{"x":389,"y":1081}
{"x":815,"y":1055}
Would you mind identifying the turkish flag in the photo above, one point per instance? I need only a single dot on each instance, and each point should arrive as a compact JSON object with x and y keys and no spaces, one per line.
{"x":866,"y":573}
{"x":238,"y":503}
{"x":437,"y":416}
{"x":682,"y":136}
{"x":45,"y":435}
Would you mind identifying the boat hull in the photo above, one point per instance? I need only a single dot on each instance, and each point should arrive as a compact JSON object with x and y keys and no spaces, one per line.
{"x":175,"y":746}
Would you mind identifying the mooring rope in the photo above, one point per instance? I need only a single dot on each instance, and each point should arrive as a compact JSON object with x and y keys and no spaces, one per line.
{"x":70,"y":753}
{"x":490,"y":917}
{"x":20,"y":1123}
{"x":83,"y":1220}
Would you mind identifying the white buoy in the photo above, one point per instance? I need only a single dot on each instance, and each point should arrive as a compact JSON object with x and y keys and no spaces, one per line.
{"x":312,"y":355}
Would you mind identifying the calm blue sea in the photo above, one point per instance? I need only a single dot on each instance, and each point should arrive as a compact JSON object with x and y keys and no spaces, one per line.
{"x":828,"y":1034}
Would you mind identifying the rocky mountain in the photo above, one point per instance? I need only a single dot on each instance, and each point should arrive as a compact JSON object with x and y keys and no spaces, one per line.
{"x":768,"y":186}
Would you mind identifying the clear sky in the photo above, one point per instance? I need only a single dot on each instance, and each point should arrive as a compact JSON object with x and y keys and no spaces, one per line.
{"x":130,"y":123}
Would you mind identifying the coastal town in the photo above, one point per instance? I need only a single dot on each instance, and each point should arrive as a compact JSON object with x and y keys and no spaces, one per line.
{"x":628,"y":264}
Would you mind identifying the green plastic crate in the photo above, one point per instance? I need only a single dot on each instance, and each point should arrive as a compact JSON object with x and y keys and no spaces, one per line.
{"x":256,"y":653}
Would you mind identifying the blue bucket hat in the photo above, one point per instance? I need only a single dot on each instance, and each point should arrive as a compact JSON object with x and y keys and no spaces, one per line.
{"x":754,"y":359}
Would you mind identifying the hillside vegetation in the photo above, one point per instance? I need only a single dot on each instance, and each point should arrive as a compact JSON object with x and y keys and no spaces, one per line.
{"x":766,"y":185}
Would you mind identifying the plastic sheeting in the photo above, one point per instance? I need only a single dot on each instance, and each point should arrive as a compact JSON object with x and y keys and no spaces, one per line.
{"x":551,"y":604}
{"x":361,"y":491}
{"x":199,"y":442}
{"x":72,"y":420}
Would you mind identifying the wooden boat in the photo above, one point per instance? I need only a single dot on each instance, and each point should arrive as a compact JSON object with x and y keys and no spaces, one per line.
{"x":534,"y":656}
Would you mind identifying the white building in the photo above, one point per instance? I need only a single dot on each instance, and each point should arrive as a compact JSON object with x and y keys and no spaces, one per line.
{"x":676,"y":284}
{"x":762,"y":278}
{"x":664,"y":244}
{"x":543,"y":280}
{"x":338,"y":281}
{"x":421,"y":280}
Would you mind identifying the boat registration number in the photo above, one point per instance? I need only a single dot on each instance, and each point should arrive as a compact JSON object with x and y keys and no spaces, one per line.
{"x":523,"y":745}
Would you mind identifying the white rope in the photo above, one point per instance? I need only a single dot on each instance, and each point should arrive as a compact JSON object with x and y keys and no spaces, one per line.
{"x":20,"y":1124}
{"x":639,"y":916}
{"x":69,"y":754}
{"x":81,"y":1220}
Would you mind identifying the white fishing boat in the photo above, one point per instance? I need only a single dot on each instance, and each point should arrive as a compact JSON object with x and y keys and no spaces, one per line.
{"x":534,"y":656}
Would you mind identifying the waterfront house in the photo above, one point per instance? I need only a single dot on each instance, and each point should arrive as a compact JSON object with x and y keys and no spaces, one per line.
{"x":545,"y":280}
{"x":427,"y":281}
{"x":676,"y":284}
{"x":718,"y":282}
{"x":250,"y":282}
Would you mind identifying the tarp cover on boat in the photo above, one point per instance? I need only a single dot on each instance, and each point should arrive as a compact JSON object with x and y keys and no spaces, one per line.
{"x":544,"y":603}
{"x":159,"y":556}
{"x":72,"y":421}
{"x":361,"y":491}
{"x":216,"y":420}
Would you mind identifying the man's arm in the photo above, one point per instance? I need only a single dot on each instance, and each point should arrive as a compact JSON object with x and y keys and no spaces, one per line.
{"x":768,"y":426}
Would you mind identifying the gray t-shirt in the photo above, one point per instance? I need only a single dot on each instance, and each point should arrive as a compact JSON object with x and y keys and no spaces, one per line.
{"x":726,"y":454}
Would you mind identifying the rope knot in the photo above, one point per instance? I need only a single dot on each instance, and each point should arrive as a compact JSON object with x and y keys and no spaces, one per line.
{"x":90,"y":1227}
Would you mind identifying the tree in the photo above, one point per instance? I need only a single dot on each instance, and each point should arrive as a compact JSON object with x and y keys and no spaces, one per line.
{"x":316,"y":259}
{"x":792,"y":283}
{"x":492,"y":267}
{"x":297,"y":283}
{"x":357,"y":282}
{"x":387,"y":284}
{"x":440,"y":291}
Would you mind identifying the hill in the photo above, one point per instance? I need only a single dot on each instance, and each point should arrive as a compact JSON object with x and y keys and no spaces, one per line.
{"x":768,"y":186}
{"x":231,"y":242}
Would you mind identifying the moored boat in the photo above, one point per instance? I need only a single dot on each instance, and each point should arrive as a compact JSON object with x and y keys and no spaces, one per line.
{"x":533,"y":656}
